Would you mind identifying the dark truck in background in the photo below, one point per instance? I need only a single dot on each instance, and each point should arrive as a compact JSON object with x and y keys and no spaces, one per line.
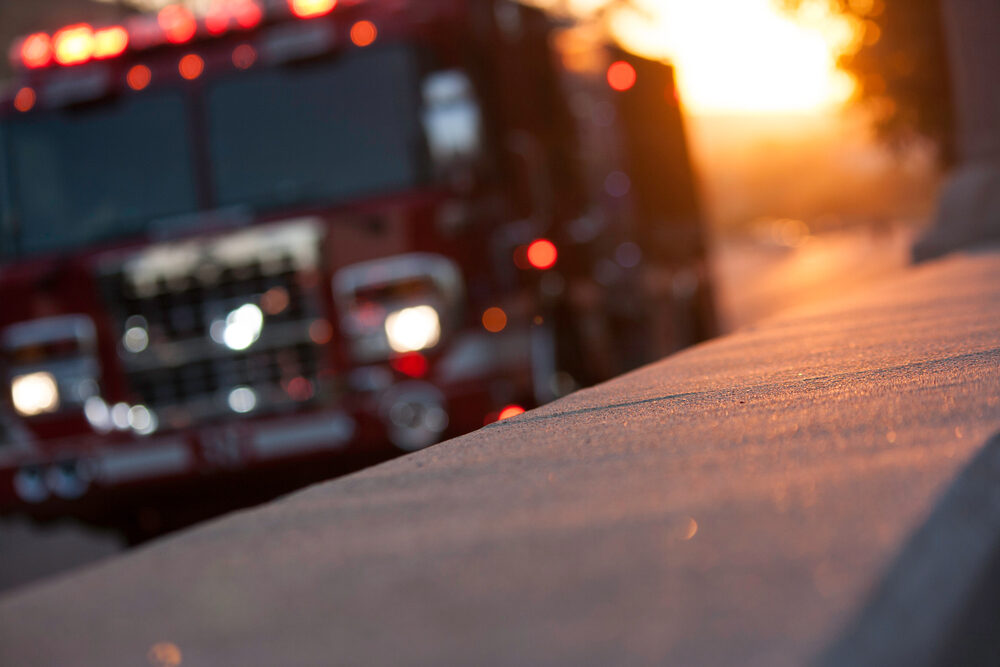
{"x":245,"y":251}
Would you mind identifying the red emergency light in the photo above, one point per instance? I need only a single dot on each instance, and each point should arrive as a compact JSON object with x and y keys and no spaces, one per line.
{"x":35,"y":50}
{"x":174,"y":24}
{"x":178,"y":23}
{"x":74,"y":44}
{"x":110,"y":42}
{"x":233,"y":14}
{"x":308,"y":9}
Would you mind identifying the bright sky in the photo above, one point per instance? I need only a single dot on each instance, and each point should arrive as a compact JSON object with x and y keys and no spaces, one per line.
{"x":744,"y":56}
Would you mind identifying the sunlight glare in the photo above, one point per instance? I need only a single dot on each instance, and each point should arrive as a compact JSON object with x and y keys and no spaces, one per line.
{"x":744,"y":56}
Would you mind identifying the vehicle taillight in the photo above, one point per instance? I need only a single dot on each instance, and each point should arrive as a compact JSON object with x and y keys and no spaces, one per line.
{"x":73,"y":45}
{"x":178,"y":23}
{"x":307,"y":9}
{"x":36,"y":50}
{"x":110,"y":42}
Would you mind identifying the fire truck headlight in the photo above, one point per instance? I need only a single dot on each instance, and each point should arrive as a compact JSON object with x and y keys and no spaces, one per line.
{"x":240,"y":329}
{"x":35,"y":393}
{"x":412,"y":329}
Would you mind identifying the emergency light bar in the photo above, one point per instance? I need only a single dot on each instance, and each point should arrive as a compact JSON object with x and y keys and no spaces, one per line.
{"x":174,"y":24}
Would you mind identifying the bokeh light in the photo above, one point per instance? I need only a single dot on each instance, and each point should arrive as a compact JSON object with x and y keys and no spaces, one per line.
{"x":138,"y":77}
{"x":363,"y":33}
{"x":191,"y":66}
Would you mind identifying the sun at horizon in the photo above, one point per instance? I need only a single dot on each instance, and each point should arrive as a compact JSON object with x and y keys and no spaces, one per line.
{"x":744,"y":56}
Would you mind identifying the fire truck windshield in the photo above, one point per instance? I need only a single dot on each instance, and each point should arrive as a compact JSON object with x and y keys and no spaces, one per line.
{"x":317,"y":132}
{"x":80,"y":175}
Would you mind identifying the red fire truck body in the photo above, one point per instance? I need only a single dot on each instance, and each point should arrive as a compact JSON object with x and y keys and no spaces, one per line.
{"x":245,"y":251}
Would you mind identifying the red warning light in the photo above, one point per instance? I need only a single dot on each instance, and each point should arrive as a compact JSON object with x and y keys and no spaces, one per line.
{"x":73,"y":44}
{"x":110,"y":42}
{"x":510,"y":411}
{"x":412,"y":364}
{"x":308,"y":9}
{"x":178,"y":23}
{"x":542,"y":254}
{"x":247,"y":13}
{"x":36,"y":50}
{"x":217,"y":19}
{"x":223,"y":14}
{"x":621,"y":75}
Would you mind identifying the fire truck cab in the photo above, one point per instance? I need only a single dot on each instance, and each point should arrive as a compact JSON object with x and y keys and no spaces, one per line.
{"x":247,"y":250}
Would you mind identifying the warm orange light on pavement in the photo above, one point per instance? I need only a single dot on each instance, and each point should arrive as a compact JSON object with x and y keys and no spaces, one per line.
{"x":494,"y":319}
{"x":110,"y":42}
{"x":74,"y":44}
{"x":138,"y":77}
{"x":191,"y":66}
{"x":307,"y":9}
{"x":25,"y":99}
{"x":363,"y":33}
{"x":510,"y":411}
{"x":36,"y":50}
{"x":621,"y":75}
{"x":542,"y":254}
{"x":164,"y":654}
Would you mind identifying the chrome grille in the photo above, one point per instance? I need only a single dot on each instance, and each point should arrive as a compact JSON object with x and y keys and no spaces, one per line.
{"x":176,"y":294}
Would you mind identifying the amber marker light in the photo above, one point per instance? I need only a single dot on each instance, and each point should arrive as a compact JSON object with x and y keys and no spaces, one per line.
{"x":542,"y":254}
{"x":621,"y":75}
{"x":25,"y":99}
{"x":308,"y":9}
{"x":494,"y":319}
{"x":138,"y":77}
{"x":363,"y":33}
{"x":191,"y":66}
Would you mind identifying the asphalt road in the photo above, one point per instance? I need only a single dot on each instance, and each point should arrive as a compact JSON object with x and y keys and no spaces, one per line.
{"x":732,"y":504}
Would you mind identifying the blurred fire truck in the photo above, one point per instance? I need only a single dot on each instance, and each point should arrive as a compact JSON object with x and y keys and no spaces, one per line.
{"x":245,"y":250}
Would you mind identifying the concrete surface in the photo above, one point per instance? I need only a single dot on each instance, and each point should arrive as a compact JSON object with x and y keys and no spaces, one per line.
{"x":732,"y":504}
{"x":753,"y":280}
{"x":29,"y":552}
